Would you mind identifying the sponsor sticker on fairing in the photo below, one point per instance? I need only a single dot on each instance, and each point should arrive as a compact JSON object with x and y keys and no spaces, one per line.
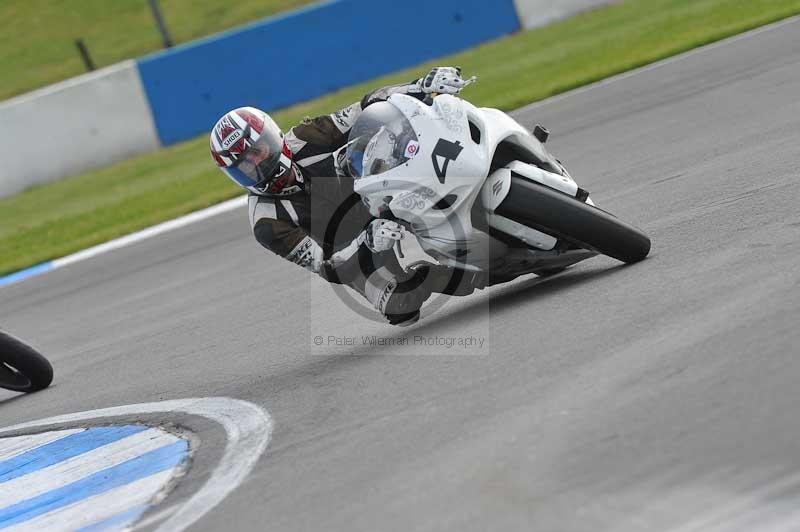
{"x":412,"y":149}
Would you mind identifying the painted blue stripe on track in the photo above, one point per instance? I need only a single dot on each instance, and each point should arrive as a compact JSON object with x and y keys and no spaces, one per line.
{"x":134,"y":469}
{"x":116,"y":522}
{"x":27,"y":272}
{"x":63,"y":449}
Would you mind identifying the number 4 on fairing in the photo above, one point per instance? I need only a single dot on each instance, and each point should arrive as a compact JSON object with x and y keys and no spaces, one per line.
{"x":448,"y":151}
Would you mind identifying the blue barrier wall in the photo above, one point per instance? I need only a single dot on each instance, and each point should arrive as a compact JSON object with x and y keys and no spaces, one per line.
{"x":301,"y":55}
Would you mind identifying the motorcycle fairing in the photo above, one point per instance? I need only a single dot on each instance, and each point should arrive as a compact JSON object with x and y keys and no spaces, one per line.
{"x":435,"y":191}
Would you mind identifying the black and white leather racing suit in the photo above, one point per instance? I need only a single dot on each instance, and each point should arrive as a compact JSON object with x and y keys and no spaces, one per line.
{"x":321,"y":228}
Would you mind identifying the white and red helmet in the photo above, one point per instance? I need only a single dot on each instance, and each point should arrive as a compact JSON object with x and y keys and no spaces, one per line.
{"x":248,"y":146}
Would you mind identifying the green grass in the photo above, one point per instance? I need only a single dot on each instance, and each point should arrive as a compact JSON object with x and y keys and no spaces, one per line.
{"x":516,"y":70}
{"x":37,"y":37}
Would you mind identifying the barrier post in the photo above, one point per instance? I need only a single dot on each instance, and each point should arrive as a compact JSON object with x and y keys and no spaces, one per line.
{"x":87,"y":59}
{"x":162,"y":26}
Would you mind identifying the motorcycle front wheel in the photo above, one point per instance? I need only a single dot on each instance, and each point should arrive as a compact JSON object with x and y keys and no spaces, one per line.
{"x":22,"y":368}
{"x":569,"y":219}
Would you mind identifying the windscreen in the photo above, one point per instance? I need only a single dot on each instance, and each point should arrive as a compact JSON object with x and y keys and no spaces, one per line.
{"x":381,"y":139}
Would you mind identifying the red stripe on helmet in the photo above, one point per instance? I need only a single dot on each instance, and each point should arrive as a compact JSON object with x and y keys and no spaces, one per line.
{"x":218,"y":159}
{"x":287,"y":151}
{"x":256,"y":122}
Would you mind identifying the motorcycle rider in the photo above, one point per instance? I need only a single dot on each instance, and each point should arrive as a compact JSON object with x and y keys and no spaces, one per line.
{"x":302,"y":205}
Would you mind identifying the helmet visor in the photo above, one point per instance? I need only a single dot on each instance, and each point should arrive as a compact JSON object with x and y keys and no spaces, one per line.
{"x":259,"y":164}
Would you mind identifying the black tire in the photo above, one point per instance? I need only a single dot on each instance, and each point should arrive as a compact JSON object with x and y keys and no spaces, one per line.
{"x":22,"y":368}
{"x":567,"y":218}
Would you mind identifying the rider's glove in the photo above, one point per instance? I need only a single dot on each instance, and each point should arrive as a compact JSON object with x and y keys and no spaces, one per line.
{"x":382,"y":235}
{"x":443,"y":80}
{"x":307,"y":254}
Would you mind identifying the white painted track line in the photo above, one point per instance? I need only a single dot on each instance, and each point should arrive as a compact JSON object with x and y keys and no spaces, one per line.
{"x":150,"y":232}
{"x":128,"y":240}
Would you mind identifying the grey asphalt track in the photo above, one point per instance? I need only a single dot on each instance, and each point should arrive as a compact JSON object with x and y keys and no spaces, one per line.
{"x":659,"y":396}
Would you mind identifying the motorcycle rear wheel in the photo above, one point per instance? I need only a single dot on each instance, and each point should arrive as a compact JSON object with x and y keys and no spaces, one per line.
{"x":22,"y":368}
{"x":567,"y":218}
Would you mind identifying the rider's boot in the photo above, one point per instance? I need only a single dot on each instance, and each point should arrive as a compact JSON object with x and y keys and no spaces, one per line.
{"x":397,"y":294}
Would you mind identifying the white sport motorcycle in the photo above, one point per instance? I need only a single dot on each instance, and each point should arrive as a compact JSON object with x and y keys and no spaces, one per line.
{"x":479,"y":191}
